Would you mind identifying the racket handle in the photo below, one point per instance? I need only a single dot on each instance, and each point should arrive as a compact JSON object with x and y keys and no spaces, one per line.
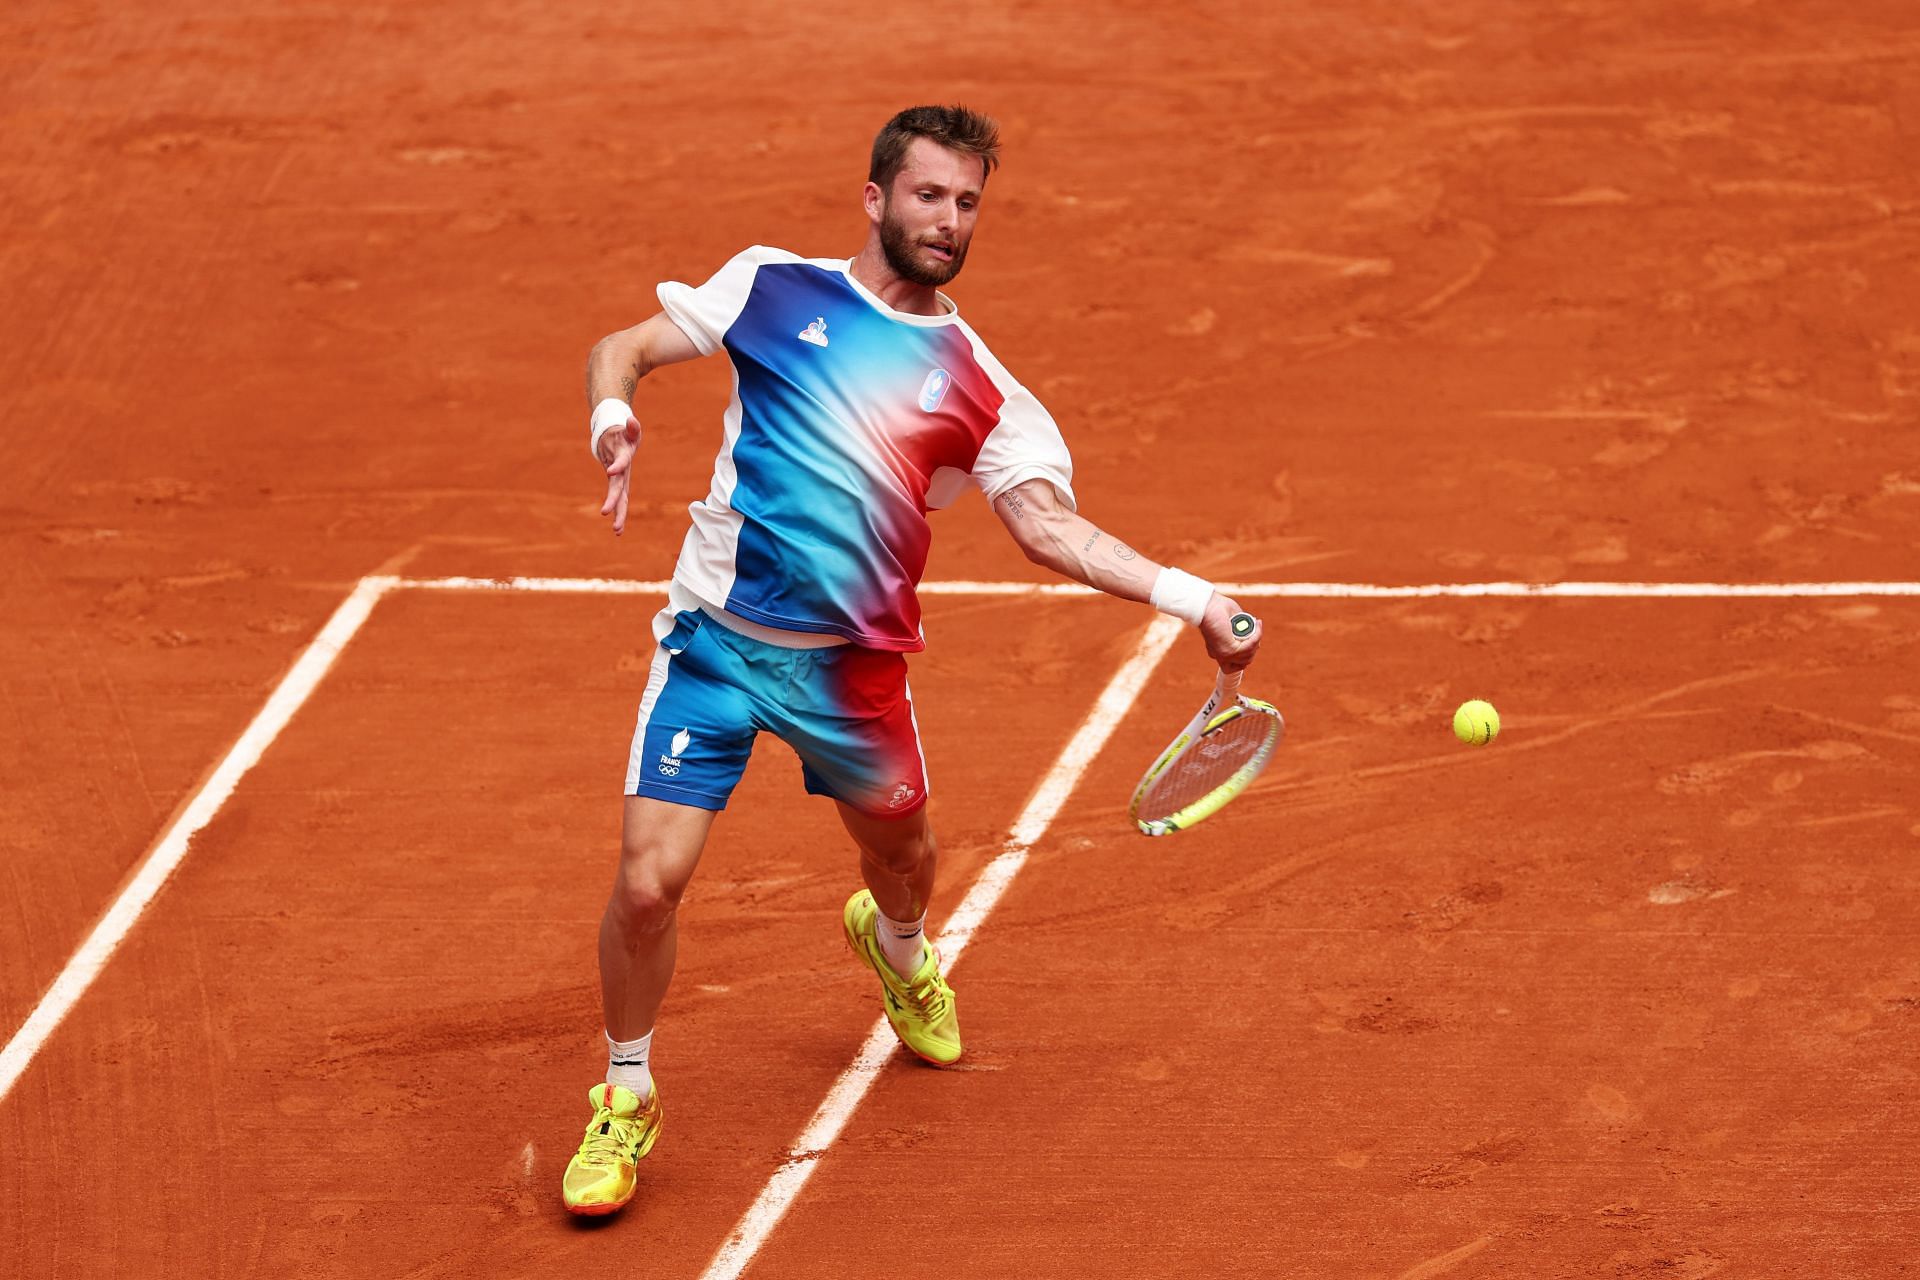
{"x":1227,"y":688}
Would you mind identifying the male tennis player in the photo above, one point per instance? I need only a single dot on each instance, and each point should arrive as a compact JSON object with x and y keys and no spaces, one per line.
{"x":861,"y":401}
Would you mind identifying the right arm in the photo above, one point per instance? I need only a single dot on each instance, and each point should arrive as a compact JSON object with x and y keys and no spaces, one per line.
{"x":1054,"y":535}
{"x":614,"y":368}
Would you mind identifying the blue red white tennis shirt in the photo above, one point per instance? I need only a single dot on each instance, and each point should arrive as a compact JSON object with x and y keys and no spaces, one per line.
{"x":849,"y":422}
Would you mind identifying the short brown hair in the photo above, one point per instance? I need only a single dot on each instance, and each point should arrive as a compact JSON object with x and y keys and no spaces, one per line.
{"x":956,"y":128}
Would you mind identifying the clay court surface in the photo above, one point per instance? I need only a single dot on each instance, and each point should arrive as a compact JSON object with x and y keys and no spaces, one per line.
{"x":1357,"y":292}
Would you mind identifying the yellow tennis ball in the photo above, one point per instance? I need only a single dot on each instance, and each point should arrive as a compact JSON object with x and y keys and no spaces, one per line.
{"x":1476,"y":722}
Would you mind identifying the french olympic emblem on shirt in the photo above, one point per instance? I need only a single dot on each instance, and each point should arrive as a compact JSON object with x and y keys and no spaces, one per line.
{"x":671,"y":762}
{"x":934,"y":389}
{"x":816,"y":333}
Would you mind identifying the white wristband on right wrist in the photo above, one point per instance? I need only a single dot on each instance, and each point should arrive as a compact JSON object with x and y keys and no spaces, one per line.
{"x":1181,"y":594}
{"x":608,"y":414}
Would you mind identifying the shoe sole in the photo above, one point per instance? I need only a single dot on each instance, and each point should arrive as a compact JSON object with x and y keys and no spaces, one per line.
{"x":859,"y":953}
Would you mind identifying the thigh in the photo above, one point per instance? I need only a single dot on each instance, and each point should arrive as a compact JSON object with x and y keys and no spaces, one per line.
{"x":696,"y":725}
{"x":660,"y":843}
{"x":851,"y":721}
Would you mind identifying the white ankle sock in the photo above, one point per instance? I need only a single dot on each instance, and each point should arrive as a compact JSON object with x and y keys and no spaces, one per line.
{"x":904,"y":945}
{"x":627,"y":1064}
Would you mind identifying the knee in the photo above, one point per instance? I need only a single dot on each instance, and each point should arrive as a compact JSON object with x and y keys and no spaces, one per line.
{"x":908,"y":855}
{"x":644,"y":900}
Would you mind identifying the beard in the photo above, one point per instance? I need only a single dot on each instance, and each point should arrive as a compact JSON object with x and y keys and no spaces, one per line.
{"x":898,"y":244}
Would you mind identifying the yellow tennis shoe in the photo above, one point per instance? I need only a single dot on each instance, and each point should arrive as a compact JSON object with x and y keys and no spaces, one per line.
{"x":920,"y":1007}
{"x":600,"y":1177}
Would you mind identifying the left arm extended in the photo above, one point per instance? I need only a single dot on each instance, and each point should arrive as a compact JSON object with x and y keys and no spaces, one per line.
{"x":1054,"y":535}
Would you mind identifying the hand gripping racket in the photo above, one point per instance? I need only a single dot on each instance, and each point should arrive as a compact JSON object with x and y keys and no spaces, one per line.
{"x":1221,"y":750}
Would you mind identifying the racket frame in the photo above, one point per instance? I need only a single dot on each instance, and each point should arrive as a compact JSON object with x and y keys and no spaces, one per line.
{"x":1225,"y":706}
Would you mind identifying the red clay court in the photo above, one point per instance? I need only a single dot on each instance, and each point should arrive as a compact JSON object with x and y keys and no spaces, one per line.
{"x":1356,"y":294}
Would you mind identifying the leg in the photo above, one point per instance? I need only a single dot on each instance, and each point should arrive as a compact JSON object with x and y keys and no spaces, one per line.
{"x":689,"y":745}
{"x":660,"y":846}
{"x":864,"y":752}
{"x":897,"y":859}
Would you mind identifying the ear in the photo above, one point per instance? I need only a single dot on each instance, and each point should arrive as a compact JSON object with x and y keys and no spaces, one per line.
{"x":875,"y":201}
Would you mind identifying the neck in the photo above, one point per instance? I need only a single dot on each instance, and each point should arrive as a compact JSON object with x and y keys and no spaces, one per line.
{"x":876,"y":274}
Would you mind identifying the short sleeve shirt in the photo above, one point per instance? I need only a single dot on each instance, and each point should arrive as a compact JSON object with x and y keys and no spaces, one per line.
{"x":849,"y":422}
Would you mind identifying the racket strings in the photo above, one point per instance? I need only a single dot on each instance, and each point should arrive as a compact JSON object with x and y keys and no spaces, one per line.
{"x":1206,"y":764}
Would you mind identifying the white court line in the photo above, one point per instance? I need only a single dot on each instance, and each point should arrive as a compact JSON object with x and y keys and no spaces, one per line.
{"x":165,"y":856}
{"x":844,"y":1098}
{"x":1274,"y":590}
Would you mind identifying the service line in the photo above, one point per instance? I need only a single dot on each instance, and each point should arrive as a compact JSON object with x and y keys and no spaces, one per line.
{"x":1277,"y":590}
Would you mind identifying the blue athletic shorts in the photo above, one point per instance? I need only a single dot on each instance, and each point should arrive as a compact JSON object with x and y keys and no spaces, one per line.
{"x":845,"y":710}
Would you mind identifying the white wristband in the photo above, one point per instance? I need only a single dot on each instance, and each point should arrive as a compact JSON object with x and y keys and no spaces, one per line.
{"x":608,"y":414}
{"x":1182,"y":595}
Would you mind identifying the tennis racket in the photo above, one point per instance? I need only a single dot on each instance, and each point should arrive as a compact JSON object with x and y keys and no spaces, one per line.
{"x":1216,"y":756}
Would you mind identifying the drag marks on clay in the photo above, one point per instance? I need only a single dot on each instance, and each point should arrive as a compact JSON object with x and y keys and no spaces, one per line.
{"x":1829,"y":763}
{"x":1611,"y":1105}
{"x":1223,"y":902}
{"x":1380,"y":1015}
{"x":1451,"y":911}
{"x":1584,"y":198}
{"x":1891,"y":735}
{"x":170,"y":135}
{"x":1334,"y":263}
{"x":1663,"y":1264}
{"x":1874,"y":814}
{"x":1443,"y":1263}
{"x":1674,"y":892}
{"x":1713,"y":775}
{"x":1644,"y":435}
{"x":1898,"y":995}
{"x":504,"y":1026}
{"x":1876,"y":200}
{"x":1468,"y":1163}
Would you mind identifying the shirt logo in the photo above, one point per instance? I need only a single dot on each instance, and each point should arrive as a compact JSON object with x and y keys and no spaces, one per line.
{"x":671,"y":763}
{"x":933,"y":390}
{"x":816,"y":333}
{"x":902,"y":794}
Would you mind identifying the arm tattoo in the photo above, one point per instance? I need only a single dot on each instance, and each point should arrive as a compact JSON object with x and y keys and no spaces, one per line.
{"x":1093,"y":536}
{"x":1122,"y":551}
{"x":627,"y":385}
{"x":1016,"y":506}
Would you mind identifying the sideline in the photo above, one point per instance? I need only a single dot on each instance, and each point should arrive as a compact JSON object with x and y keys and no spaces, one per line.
{"x":844,"y":1098}
{"x":165,"y":857}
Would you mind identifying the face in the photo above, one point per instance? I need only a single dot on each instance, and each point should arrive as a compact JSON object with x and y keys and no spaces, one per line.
{"x":926,"y":220}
